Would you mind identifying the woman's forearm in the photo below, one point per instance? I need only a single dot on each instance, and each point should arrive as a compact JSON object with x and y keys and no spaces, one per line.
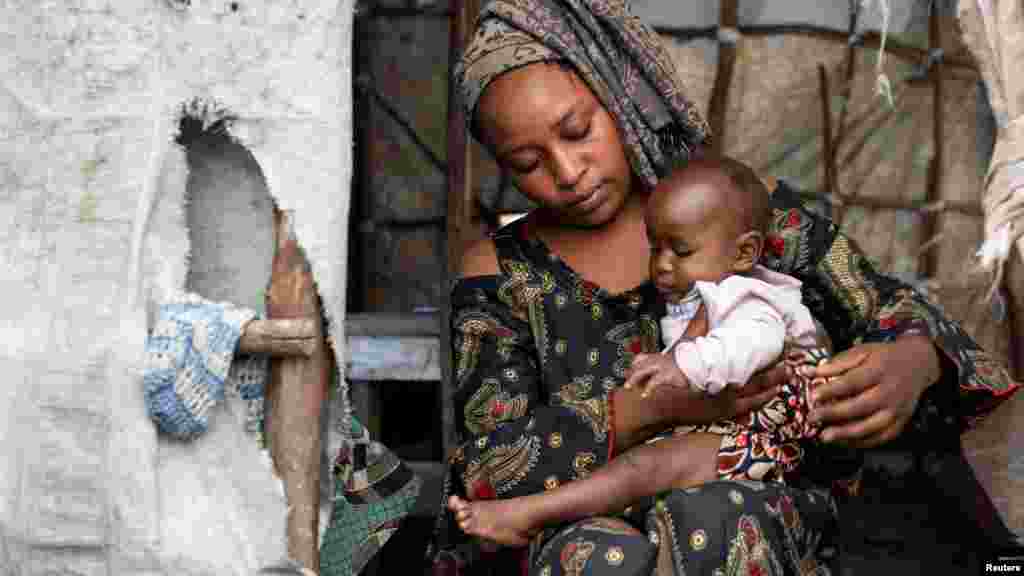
{"x":636,"y":419}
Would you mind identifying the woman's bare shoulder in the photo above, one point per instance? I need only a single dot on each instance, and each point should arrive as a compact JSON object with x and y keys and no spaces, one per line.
{"x":770,"y":182}
{"x":479,"y":258}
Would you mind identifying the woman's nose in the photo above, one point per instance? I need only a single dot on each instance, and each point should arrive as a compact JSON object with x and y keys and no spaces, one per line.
{"x":568,"y":168}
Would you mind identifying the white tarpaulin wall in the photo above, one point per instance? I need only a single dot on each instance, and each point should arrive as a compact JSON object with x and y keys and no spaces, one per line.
{"x":994,"y":30}
{"x":92,"y":185}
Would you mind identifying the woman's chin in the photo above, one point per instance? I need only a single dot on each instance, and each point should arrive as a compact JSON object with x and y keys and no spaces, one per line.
{"x":600,"y":214}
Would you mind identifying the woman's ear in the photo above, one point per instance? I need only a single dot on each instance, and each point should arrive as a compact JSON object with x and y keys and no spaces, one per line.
{"x":748,"y":251}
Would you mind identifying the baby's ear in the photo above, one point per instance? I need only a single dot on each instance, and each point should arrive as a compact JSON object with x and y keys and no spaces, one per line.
{"x":748,"y":251}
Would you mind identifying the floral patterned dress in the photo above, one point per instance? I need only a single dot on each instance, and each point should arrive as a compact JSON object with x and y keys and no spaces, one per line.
{"x":537,"y":350}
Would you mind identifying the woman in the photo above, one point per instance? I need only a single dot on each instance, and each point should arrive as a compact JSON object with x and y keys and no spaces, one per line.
{"x":579,"y":102}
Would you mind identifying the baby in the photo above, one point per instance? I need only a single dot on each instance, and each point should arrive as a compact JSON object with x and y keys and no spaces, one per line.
{"x":706,"y":225}
{"x":727,"y":318}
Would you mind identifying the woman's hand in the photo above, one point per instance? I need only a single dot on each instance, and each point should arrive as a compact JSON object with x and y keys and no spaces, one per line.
{"x":872,"y":390}
{"x":652,"y":371}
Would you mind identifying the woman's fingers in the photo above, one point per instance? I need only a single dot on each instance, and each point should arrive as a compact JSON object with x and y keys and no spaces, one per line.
{"x":642,"y":369}
{"x":843,"y":362}
{"x":846,"y":408}
{"x":659,"y":378}
{"x":653,"y":384}
{"x":872,"y":428}
{"x":845,"y":385}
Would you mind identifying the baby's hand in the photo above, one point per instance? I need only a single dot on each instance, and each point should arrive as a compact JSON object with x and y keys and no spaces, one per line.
{"x":651,"y":371}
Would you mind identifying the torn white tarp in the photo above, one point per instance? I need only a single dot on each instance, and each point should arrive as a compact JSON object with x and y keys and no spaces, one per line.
{"x":994,"y":32}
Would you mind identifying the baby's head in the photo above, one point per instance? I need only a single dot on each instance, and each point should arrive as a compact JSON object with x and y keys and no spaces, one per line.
{"x":705,"y":221}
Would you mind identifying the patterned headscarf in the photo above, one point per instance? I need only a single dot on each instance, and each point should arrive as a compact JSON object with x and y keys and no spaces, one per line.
{"x":621,"y":58}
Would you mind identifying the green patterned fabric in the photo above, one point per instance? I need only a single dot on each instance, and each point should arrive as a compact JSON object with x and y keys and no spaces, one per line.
{"x":374,"y":491}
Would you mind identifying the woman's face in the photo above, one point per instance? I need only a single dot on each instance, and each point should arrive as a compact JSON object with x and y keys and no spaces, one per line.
{"x":557,"y":142}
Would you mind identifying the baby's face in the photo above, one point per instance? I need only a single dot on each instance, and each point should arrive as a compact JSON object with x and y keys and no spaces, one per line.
{"x":691,"y":238}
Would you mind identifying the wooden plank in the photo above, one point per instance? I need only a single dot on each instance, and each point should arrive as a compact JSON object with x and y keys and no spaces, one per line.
{"x":280,"y":337}
{"x":362,"y":247}
{"x":393,"y":324}
{"x":887,"y":203}
{"x":929,"y":254}
{"x":957,"y":67}
{"x":459,"y":207}
{"x":412,"y":358}
{"x":846,"y":90}
{"x":295,"y":395}
{"x":828,"y":156}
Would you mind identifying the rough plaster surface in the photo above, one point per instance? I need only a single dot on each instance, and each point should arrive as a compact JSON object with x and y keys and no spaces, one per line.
{"x":89,"y":94}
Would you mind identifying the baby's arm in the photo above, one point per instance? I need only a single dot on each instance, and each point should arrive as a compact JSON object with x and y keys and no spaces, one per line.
{"x":749,"y":338}
{"x":642,"y":471}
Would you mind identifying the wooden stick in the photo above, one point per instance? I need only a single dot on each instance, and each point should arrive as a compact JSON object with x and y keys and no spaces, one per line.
{"x":723,"y":77}
{"x":957,"y":67}
{"x":846,"y":93}
{"x":297,"y":390}
{"x":460,"y":204}
{"x":828,"y":156}
{"x":279,"y":338}
{"x":928,"y":263}
{"x":872,"y":202}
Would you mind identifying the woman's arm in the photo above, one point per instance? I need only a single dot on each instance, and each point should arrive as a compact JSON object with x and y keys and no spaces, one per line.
{"x":886,"y":383}
{"x":514,"y":442}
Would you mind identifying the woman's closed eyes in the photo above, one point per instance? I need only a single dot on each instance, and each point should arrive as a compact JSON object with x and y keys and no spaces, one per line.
{"x":574,"y":132}
{"x":577,"y":130}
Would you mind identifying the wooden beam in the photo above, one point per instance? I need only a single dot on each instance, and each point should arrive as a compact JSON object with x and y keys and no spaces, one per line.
{"x":280,"y":338}
{"x":393,"y":325}
{"x":883,"y":203}
{"x":297,"y":390}
{"x":459,"y":205}
{"x":728,"y":17}
{"x":828,"y":156}
{"x":849,"y":71}
{"x":846,"y":91}
{"x":958,"y":67}
{"x":362,"y":245}
{"x":929,"y":257}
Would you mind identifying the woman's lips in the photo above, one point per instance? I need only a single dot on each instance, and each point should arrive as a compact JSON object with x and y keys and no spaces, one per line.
{"x":590,"y":202}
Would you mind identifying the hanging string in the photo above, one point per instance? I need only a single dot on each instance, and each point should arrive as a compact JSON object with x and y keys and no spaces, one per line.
{"x":883,"y":87}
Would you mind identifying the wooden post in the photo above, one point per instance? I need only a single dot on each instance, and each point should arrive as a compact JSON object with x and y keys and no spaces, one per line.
{"x":459,"y":208}
{"x":297,"y":390}
{"x":928,"y":263}
{"x":728,"y":18}
{"x":827,"y":153}
{"x":845,"y":93}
